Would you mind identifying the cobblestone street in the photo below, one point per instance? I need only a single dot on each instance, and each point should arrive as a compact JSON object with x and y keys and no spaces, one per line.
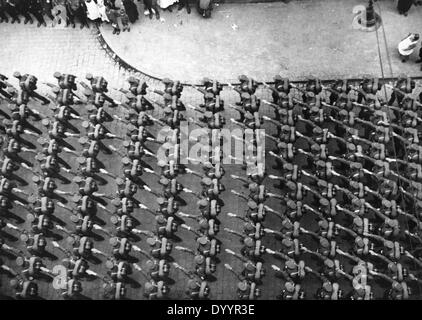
{"x":43,"y":51}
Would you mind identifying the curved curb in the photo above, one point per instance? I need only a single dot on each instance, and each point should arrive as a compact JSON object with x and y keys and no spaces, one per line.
{"x":116,"y":58}
{"x":123,"y":64}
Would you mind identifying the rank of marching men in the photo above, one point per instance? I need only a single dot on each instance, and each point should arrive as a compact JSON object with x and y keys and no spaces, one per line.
{"x":208,"y":202}
{"x":16,"y":125}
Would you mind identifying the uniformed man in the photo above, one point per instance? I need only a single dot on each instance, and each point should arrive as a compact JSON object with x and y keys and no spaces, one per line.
{"x":28,"y":83}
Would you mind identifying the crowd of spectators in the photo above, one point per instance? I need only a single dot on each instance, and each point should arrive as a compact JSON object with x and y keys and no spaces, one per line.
{"x":119,"y":13}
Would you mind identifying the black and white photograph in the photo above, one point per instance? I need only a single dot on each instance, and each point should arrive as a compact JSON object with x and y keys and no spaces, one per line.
{"x":230,"y":151}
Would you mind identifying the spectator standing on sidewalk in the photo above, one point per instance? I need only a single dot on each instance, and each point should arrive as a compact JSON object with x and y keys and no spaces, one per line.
{"x":23,"y":8}
{"x":35,"y":7}
{"x":166,"y":4}
{"x":407,"y":46}
{"x":204,"y":8}
{"x":151,"y":8}
{"x":59,"y":12}
{"x":403,"y":6}
{"x":81,"y":13}
{"x":420,"y":57}
{"x":70,"y":10}
{"x":112,"y":17}
{"x":111,"y":4}
{"x":125,"y":20}
{"x":10,"y":7}
{"x":184,"y":3}
{"x":72,"y":7}
{"x":47,"y":7}
{"x":93,"y":12}
{"x":131,"y":10}
{"x":3,"y":16}
{"x":102,"y":10}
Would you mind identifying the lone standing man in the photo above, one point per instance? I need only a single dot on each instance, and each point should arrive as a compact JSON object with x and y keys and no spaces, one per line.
{"x":407,"y":46}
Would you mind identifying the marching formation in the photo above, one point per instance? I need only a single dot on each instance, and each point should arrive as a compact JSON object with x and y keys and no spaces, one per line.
{"x":324,"y":200}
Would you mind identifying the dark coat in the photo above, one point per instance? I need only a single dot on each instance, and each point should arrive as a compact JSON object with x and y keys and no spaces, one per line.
{"x":131,"y":10}
{"x":112,"y":16}
{"x":47,"y":5}
{"x":404,"y":5}
{"x":81,"y":12}
{"x":150,"y":3}
{"x":21,"y":5}
{"x":35,"y":5}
